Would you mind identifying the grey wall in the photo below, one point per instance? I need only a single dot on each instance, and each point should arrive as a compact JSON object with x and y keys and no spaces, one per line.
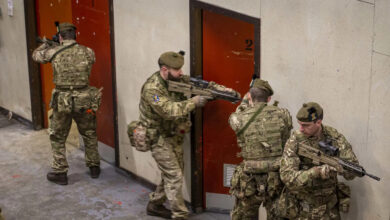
{"x":335,"y":52}
{"x":14,"y":81}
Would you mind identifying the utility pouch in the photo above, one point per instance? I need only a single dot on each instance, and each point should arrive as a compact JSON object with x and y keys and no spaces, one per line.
{"x":287,"y":205}
{"x":344,"y":196}
{"x":64,"y":102}
{"x":53,"y":99}
{"x":141,"y":137}
{"x":96,"y":97}
{"x":89,"y":98}
{"x":274,"y":184}
{"x":235,"y":183}
{"x":183,"y":127}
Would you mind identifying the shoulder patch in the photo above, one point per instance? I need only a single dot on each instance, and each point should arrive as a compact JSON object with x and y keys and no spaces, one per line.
{"x":156,"y":98}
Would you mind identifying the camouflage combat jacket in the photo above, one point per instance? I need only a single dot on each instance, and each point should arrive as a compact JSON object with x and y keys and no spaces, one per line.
{"x":71,"y":62}
{"x":162,"y":110}
{"x":295,"y":170}
{"x":266,"y":135}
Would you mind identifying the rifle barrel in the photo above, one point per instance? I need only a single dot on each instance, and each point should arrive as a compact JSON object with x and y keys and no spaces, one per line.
{"x":372,"y":176}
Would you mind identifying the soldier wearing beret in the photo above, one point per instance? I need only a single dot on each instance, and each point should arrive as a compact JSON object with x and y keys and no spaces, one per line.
{"x":72,"y":98}
{"x":165,"y":114}
{"x":262,"y":131}
{"x":315,"y":190}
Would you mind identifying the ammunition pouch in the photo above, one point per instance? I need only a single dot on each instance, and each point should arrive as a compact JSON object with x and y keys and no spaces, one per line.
{"x":66,"y":101}
{"x":141,"y":137}
{"x":343,"y":196}
{"x":287,"y":205}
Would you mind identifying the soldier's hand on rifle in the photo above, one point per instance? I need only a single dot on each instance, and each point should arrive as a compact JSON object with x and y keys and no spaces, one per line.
{"x":325,"y":171}
{"x":200,"y":101}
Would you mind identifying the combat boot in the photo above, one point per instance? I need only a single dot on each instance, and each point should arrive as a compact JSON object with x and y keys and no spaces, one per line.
{"x":58,"y":178}
{"x":158,"y":210}
{"x":95,"y":171}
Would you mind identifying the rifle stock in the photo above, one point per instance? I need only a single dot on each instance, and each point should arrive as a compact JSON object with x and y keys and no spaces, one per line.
{"x":319,"y":157}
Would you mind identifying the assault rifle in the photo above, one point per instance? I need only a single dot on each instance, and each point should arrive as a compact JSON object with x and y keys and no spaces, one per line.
{"x":200,"y":87}
{"x":55,"y":39}
{"x":327,"y":155}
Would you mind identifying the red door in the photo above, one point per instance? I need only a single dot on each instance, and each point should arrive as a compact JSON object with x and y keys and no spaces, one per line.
{"x":228,"y":59}
{"x":47,"y":13}
{"x":92,"y":19}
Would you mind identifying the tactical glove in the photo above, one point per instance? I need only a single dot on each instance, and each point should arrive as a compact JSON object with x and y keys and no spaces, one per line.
{"x":200,"y":101}
{"x":324,"y":171}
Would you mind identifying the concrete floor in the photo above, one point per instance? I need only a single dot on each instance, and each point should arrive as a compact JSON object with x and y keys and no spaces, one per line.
{"x":25,"y":193}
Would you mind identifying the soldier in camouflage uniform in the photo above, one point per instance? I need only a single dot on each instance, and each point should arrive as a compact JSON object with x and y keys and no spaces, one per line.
{"x":262,"y":131}
{"x":166,"y":116}
{"x":72,"y":98}
{"x":314,"y":190}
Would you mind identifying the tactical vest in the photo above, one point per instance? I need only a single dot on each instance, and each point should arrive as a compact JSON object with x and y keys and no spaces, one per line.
{"x":262,"y":138}
{"x":71,"y":67}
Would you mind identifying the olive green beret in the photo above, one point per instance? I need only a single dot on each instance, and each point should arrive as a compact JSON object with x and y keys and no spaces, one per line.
{"x":262,"y":84}
{"x":172,"y":59}
{"x":66,"y":26}
{"x":309,"y":112}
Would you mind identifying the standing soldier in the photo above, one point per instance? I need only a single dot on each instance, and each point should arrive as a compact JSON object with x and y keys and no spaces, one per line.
{"x":72,"y":98}
{"x":165,"y":114}
{"x":315,"y":189}
{"x":262,"y":131}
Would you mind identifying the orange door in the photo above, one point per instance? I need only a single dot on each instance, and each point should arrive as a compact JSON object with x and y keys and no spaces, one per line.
{"x":47,"y":13}
{"x":228,"y":59}
{"x":93,"y":30}
{"x":92,"y":19}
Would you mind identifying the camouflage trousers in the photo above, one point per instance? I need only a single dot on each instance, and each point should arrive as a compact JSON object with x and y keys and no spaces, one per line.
{"x":60,"y":124}
{"x":253,"y":190}
{"x":323,"y":207}
{"x":168,"y":154}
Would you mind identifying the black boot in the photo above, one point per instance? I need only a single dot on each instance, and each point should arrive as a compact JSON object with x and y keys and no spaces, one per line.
{"x":95,"y":172}
{"x":58,"y":178}
{"x":158,"y":210}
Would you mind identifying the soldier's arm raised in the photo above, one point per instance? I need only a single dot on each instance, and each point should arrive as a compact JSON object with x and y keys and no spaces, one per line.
{"x":166,"y":108}
{"x":43,"y":53}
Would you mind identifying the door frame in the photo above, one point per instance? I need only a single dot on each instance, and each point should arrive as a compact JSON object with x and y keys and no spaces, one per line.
{"x":196,"y":66}
{"x":35,"y":73}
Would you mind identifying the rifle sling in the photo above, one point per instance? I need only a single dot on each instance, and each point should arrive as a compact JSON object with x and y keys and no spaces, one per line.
{"x":62,"y":49}
{"x":251,"y":119}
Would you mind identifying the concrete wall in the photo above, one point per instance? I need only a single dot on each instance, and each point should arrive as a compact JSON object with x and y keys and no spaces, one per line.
{"x":334,"y":52}
{"x":14,"y":81}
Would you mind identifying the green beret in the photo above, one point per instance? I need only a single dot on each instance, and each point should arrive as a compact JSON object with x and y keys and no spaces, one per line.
{"x":66,"y":26}
{"x":172,"y":59}
{"x":309,"y":112}
{"x":262,"y":84}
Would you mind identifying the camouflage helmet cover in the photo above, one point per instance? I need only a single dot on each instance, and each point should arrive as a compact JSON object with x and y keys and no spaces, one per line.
{"x":309,"y":112}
